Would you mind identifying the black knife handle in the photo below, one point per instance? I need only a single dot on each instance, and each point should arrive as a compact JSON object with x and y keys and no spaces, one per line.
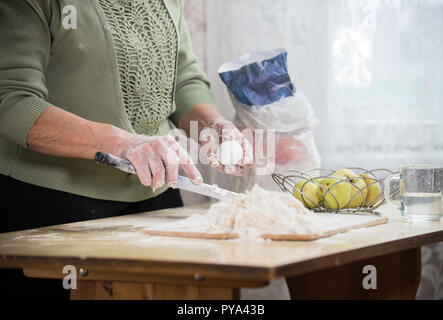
{"x":108,"y":159}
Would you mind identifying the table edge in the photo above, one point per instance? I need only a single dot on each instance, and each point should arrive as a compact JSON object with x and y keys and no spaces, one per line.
{"x":227,"y":270}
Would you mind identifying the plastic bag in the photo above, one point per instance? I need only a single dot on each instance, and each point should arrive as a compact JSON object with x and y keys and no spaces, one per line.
{"x":291,"y":118}
{"x":258,"y":82}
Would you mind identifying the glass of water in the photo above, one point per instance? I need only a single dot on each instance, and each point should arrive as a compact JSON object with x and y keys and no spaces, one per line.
{"x":420,"y":192}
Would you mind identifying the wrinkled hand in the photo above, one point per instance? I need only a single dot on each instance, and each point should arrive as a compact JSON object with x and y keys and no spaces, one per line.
{"x":220,"y":131}
{"x":157,"y":160}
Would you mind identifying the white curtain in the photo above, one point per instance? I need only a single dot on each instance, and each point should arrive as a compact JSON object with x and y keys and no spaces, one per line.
{"x":372,"y":69}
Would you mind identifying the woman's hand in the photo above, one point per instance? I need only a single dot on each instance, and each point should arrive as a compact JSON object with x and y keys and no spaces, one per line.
{"x":157,"y":160}
{"x":213,"y":130}
{"x":221,"y":131}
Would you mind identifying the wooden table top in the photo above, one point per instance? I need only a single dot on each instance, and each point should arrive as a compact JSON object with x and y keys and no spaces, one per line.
{"x":118,"y":243}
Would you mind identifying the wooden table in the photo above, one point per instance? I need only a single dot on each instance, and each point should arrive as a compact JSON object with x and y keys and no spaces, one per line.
{"x":114,"y":260}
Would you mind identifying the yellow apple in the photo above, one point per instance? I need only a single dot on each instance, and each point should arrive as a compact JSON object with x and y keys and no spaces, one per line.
{"x":306,"y":192}
{"x":335,"y":194}
{"x":358,"y":187}
{"x":374,"y":190}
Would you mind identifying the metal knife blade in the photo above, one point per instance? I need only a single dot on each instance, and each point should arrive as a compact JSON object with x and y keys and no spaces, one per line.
{"x":183,"y":183}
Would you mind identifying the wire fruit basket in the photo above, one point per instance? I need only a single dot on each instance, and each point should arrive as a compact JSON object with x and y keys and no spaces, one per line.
{"x":349,"y":190}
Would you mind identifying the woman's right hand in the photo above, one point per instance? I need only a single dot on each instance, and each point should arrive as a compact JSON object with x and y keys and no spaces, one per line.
{"x":157,"y":160}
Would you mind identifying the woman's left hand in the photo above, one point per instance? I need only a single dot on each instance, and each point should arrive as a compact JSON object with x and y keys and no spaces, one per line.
{"x":221,"y":131}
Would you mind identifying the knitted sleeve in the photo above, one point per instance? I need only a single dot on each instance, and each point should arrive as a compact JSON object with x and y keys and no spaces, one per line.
{"x":192,"y":86}
{"x":25,"y":42}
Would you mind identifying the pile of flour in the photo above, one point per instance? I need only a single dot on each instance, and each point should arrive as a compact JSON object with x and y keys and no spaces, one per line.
{"x":253,"y":213}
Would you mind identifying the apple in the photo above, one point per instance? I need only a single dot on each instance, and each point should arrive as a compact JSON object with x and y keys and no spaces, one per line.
{"x":359,"y":190}
{"x":306,"y":192}
{"x":335,"y":192}
{"x":374,"y":190}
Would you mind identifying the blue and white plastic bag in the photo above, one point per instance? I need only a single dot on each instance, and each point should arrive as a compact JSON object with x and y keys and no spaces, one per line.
{"x":265,"y":100}
{"x":258,"y":82}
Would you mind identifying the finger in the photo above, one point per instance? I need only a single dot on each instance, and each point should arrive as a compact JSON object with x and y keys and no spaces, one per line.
{"x":234,"y":171}
{"x":190,"y":168}
{"x":220,"y":169}
{"x":248,"y":154}
{"x":158,"y":172}
{"x":170,"y":140}
{"x":239,"y":171}
{"x":210,"y":141}
{"x":229,"y":133}
{"x":142,"y":168}
{"x":229,"y":169}
{"x":211,"y":152}
{"x":171,"y":163}
{"x":188,"y":165}
{"x":213,"y":160}
{"x":224,"y":128}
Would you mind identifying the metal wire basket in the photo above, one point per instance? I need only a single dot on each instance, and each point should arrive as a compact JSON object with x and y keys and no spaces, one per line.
{"x":295,"y":181}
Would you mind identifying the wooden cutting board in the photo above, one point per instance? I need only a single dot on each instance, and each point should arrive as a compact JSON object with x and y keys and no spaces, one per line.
{"x":340,"y":223}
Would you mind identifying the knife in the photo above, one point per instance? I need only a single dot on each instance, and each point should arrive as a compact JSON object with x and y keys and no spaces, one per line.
{"x":183,"y":183}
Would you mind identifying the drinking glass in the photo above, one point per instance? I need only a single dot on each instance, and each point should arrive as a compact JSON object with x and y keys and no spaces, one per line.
{"x":420,"y":190}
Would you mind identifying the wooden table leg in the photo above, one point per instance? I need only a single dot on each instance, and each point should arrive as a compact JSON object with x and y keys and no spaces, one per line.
{"x":108,"y":290}
{"x":397,"y":277}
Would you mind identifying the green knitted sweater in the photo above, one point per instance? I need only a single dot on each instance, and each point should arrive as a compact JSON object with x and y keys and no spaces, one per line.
{"x":129,"y":63}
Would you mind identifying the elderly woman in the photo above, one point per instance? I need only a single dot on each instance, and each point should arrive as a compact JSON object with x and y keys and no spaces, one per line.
{"x":77,"y":77}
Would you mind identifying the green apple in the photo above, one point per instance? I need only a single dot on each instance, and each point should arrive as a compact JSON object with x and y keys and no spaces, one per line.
{"x":374,"y":190}
{"x":306,"y":192}
{"x":334,"y":192}
{"x":359,"y":190}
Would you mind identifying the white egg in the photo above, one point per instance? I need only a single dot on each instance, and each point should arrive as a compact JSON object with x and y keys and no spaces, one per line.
{"x":230,"y":153}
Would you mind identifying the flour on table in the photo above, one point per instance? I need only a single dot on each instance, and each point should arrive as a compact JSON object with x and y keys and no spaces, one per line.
{"x":253,"y":213}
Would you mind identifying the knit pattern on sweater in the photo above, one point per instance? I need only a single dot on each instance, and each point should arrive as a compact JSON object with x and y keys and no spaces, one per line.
{"x":145,"y":41}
